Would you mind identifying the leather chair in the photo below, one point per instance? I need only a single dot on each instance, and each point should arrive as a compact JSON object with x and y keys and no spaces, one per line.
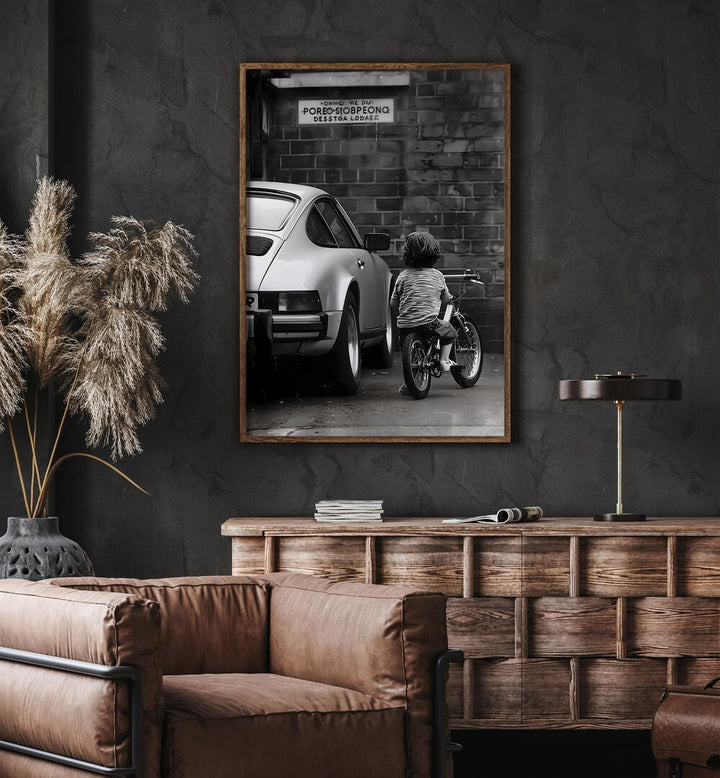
{"x":279,"y":676}
{"x":686,"y":731}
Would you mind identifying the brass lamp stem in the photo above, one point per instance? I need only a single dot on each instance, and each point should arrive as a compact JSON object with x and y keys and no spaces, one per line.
{"x":619,"y":404}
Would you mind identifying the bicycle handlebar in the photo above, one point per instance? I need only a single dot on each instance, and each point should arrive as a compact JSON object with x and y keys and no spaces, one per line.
{"x":467,"y":276}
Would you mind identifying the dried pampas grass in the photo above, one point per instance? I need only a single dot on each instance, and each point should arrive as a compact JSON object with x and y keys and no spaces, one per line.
{"x":88,"y":323}
{"x":52,"y":294}
{"x":143,"y":266}
{"x":50,"y":215}
{"x":13,"y":334}
{"x":136,"y":268}
{"x":117,"y":383}
{"x":52,"y":287}
{"x":12,"y":356}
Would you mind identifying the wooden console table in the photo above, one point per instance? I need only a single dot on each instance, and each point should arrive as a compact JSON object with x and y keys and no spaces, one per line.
{"x":565,"y":623}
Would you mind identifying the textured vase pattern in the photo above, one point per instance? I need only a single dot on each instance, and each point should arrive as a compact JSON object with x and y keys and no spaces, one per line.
{"x":35,"y":549}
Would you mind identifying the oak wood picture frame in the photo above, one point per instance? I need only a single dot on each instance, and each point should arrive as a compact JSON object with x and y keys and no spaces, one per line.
{"x":454,"y":120}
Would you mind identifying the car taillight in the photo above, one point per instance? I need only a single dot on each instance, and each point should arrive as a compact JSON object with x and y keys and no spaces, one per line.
{"x":298,"y":302}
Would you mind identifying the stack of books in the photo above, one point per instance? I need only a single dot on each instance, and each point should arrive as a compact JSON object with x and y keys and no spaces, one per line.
{"x":349,"y":510}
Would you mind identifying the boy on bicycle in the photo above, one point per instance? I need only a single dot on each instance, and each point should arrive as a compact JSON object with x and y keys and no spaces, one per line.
{"x":420,"y":291}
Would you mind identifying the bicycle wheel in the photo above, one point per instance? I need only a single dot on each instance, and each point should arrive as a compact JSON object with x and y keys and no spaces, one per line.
{"x":468,"y":355}
{"x":415,"y":367}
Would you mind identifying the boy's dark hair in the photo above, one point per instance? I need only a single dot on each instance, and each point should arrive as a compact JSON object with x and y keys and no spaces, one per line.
{"x":421,"y":250}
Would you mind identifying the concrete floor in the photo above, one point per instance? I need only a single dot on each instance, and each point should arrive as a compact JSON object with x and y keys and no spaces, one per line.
{"x":377,"y":410}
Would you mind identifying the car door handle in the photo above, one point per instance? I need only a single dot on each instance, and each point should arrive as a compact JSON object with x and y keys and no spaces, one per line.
{"x":360,"y":263}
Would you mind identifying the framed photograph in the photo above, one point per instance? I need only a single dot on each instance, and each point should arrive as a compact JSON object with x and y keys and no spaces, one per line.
{"x":375,"y":252}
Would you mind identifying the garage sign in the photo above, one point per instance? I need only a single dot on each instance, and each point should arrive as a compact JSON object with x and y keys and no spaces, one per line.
{"x":368,"y":110}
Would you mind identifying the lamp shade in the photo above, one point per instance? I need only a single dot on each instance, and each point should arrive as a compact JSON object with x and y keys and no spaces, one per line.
{"x":620,"y":387}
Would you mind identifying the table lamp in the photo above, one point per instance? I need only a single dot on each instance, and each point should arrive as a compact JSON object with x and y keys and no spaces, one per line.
{"x":620,"y":388}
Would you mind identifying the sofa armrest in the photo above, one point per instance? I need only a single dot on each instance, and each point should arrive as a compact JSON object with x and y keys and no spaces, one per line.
{"x":84,"y":717}
{"x":379,"y":640}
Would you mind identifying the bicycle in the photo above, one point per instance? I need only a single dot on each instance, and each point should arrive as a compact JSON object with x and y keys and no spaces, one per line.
{"x":421,"y":349}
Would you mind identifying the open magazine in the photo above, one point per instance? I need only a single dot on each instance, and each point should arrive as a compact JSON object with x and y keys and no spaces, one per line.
{"x":503,"y":516}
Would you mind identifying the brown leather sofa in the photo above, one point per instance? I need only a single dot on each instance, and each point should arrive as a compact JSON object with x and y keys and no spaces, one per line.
{"x":280,"y":676}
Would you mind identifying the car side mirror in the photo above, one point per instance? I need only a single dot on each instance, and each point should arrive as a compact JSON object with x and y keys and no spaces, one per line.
{"x":377,"y":241}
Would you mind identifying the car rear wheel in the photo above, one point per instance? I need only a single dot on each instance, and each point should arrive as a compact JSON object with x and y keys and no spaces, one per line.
{"x":382,"y":353}
{"x":345,"y":356}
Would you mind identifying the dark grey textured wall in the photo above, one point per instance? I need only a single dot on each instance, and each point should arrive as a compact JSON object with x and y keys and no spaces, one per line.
{"x":24,"y":136}
{"x":615,"y":255}
{"x":24,"y":106}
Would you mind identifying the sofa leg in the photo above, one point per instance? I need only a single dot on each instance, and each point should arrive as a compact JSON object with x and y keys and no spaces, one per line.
{"x":442,"y":745}
{"x":131,"y":674}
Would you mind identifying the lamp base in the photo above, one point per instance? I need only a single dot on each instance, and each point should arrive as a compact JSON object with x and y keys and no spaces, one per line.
{"x":619,"y":517}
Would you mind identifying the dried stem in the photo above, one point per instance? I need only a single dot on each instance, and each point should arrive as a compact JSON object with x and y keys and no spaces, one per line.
{"x":45,"y":480}
{"x":19,"y":468}
{"x":48,"y":478}
{"x":35,"y":426}
{"x":33,"y":464}
{"x":32,"y":437}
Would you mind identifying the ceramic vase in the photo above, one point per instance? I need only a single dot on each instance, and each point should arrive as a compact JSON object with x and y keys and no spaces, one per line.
{"x":35,"y":549}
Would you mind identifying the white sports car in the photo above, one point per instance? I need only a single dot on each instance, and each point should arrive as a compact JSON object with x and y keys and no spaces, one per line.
{"x":313,"y":287}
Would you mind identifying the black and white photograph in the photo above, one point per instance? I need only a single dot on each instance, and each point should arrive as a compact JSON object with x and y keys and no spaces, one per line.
{"x":375,"y":252}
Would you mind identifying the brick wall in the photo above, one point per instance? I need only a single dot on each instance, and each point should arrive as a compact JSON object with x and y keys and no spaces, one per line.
{"x":438,"y":167}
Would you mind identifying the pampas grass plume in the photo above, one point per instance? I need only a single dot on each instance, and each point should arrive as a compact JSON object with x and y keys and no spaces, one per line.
{"x":13,"y":333}
{"x":89,"y":323}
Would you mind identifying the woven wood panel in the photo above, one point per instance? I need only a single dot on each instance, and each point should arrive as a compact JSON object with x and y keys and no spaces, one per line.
{"x":514,"y":691}
{"x":674,"y":626}
{"x":697,"y":672}
{"x":623,"y":567}
{"x":545,"y":566}
{"x":497,"y":567}
{"x":338,"y":560}
{"x":572,"y":626}
{"x":455,"y":697}
{"x":699,"y":567}
{"x":248,"y":556}
{"x":497,"y":692}
{"x":434,"y":564}
{"x":616,"y":689}
{"x":482,"y":627}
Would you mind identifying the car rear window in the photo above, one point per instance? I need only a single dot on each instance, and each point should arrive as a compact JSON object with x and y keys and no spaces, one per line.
{"x":318,"y":231}
{"x":336,"y":224}
{"x":268,"y":211}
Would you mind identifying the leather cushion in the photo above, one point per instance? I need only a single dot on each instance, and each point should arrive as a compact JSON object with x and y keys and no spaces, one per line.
{"x":209,"y":624}
{"x":62,"y":713}
{"x":267,"y":726}
{"x":379,"y":640}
